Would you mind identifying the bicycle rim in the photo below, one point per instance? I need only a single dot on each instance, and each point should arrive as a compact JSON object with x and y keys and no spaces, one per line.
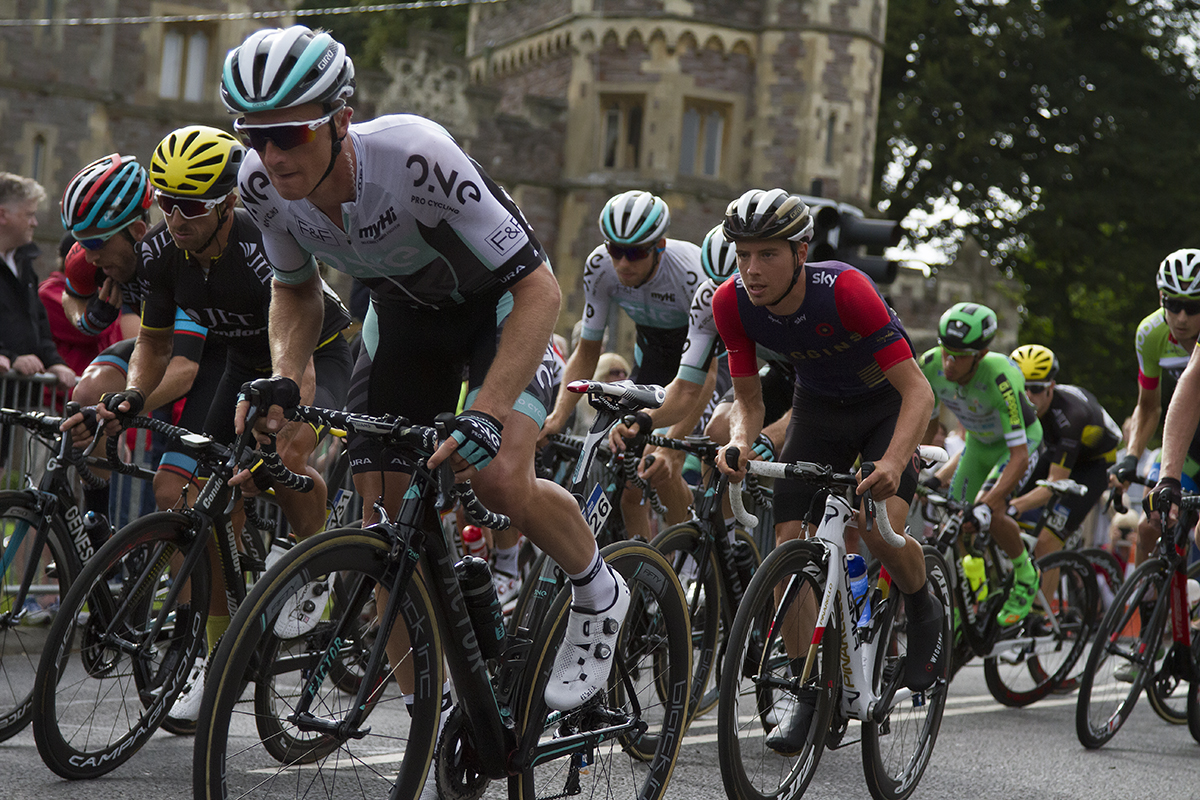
{"x":106,"y":681}
{"x":1117,"y":664}
{"x":896,"y":751}
{"x":629,"y":764}
{"x":255,"y":681}
{"x":22,"y":640}
{"x":759,"y":680}
{"x":1044,"y":653}
{"x":1168,"y":695}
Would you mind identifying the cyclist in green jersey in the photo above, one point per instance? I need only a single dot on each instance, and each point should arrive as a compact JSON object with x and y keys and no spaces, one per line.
{"x":986,"y":391}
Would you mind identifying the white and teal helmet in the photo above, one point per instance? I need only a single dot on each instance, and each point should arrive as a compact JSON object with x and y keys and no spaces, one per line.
{"x":286,"y":67}
{"x":718,"y":256}
{"x":1179,"y":274}
{"x":634,"y":219}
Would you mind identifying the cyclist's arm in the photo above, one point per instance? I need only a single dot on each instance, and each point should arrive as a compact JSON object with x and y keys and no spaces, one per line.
{"x":581,"y":366}
{"x":1040,"y":495}
{"x":1010,"y":477}
{"x":680,"y":410}
{"x":149,"y":366}
{"x":1183,"y":415}
{"x":73,"y":308}
{"x":745,"y":420}
{"x":1145,"y":418}
{"x":294,"y":330}
{"x":916,"y":404}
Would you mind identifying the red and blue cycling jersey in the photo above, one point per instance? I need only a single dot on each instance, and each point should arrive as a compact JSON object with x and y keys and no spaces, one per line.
{"x":840,"y":341}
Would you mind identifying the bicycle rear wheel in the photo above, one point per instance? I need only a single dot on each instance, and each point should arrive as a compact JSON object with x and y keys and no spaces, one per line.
{"x":759,"y":681}
{"x":107,"y":679}
{"x":246,"y":745}
{"x":653,"y":648}
{"x":23,"y":631}
{"x":897,"y":748}
{"x":1168,"y":693}
{"x":1122,"y":656}
{"x":1043,"y":654}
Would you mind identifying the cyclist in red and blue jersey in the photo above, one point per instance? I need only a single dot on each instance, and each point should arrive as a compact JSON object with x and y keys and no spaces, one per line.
{"x":859,"y":392}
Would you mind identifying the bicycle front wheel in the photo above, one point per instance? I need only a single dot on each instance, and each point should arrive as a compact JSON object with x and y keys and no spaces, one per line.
{"x":762,"y":677}
{"x":1040,"y":658}
{"x":1168,"y":693}
{"x":250,"y":744}
{"x":111,"y":671}
{"x":628,"y":738}
{"x":897,"y":746}
{"x":23,"y":628}
{"x":1123,"y":655}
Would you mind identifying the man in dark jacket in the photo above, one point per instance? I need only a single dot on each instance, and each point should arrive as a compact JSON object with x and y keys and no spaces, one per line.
{"x":26,"y":346}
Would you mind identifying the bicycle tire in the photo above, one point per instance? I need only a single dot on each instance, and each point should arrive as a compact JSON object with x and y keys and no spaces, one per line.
{"x":97,"y":698}
{"x":1168,"y":695}
{"x":707,"y":607}
{"x":1017,"y":677}
{"x":21,"y":645}
{"x":897,"y":750}
{"x":626,"y":765}
{"x":1193,"y":710}
{"x":391,"y":758}
{"x":757,"y":665}
{"x":1106,"y":698}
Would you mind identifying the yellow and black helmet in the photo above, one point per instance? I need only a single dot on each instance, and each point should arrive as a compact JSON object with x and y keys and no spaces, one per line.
{"x":1037,"y":362}
{"x":197,"y":161}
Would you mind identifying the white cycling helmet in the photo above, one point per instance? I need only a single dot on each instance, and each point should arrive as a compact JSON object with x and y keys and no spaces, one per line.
{"x":634,"y":219}
{"x":1179,"y":274}
{"x":718,"y":256}
{"x":286,"y":67}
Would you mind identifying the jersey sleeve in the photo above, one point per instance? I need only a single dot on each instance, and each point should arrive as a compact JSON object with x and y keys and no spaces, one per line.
{"x":81,"y":276}
{"x":929,"y":361}
{"x":158,"y":305}
{"x":189,"y":337}
{"x":1148,"y":345}
{"x":290,"y":262}
{"x":598,"y":277}
{"x":701,"y":338}
{"x":1006,"y":387}
{"x":743,"y":361}
{"x":862,"y":311}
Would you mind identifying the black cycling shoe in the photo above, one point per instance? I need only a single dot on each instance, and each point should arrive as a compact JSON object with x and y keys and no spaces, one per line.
{"x":926,"y":658}
{"x":791,"y":734}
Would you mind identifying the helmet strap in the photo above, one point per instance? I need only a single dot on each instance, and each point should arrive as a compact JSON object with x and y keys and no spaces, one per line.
{"x":335,"y":148}
{"x":222,"y":218}
{"x":795,"y":274}
{"x":656,"y":255}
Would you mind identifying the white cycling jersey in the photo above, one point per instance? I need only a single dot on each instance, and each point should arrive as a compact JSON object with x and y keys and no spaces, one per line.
{"x":427,"y":227}
{"x":661,"y":302}
{"x":702,"y":339}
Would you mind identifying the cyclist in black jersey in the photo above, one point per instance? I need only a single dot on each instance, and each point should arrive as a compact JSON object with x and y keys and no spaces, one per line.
{"x":106,"y":208}
{"x":1079,"y":442}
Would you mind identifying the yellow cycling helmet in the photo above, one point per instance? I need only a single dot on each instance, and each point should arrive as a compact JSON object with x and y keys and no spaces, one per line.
{"x":1037,"y":362}
{"x":198,"y":162}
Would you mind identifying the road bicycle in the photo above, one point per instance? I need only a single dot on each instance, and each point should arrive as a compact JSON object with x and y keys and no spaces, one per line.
{"x":622,"y":742}
{"x":44,"y":544}
{"x":1135,"y":649}
{"x":852,"y":669}
{"x":132,"y":624}
{"x":1025,"y":662}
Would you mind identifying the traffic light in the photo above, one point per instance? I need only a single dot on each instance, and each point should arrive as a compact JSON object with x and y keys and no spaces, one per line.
{"x":842,"y":233}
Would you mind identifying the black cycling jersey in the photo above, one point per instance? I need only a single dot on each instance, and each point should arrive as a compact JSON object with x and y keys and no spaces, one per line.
{"x":1076,"y":428}
{"x":230,"y":296}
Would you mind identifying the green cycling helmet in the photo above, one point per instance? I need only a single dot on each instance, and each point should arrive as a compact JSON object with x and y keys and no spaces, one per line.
{"x":967,"y":326}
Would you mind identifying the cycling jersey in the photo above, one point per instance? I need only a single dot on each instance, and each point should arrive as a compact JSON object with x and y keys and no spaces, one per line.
{"x":1077,"y":429}
{"x":840,"y":341}
{"x":1157,"y":351}
{"x":992,"y":406}
{"x":230,"y":295}
{"x":702,"y":340}
{"x":427,"y":227}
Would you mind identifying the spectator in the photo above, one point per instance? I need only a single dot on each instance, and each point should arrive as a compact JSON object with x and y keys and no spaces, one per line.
{"x":76,"y":347}
{"x":26,"y":345}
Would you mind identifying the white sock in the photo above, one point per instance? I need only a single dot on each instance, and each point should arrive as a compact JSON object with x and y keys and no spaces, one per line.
{"x":506,"y":559}
{"x":594,"y":588}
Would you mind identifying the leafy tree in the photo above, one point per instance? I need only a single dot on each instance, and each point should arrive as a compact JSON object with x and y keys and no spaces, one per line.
{"x":369,"y":35}
{"x":1066,"y":129}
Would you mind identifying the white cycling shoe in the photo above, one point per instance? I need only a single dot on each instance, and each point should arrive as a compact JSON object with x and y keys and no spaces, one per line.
{"x":303,"y":610}
{"x":187,"y":704}
{"x":585,"y":656}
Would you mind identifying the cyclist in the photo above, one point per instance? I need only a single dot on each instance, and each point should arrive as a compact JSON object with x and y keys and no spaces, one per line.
{"x":106,"y":208}
{"x":456,"y":277}
{"x":653,"y":279}
{"x":986,"y":391}
{"x":1165,"y":341}
{"x":858,"y":392}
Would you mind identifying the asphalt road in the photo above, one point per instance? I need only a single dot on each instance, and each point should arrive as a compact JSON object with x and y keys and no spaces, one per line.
{"x":984,"y":751}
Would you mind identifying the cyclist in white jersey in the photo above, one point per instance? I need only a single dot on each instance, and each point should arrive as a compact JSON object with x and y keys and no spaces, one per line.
{"x":456,"y":279}
{"x":653,"y":279}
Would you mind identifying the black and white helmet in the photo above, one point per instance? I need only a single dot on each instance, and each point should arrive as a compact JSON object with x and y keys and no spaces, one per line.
{"x":286,"y":67}
{"x":634,"y":219}
{"x":772,"y":214}
{"x":718,"y":256}
{"x":1179,"y":274}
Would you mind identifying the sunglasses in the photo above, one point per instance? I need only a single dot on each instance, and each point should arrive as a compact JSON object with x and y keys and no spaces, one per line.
{"x":188,"y":207}
{"x":285,"y":135}
{"x":1036,"y":387}
{"x":957,"y":354}
{"x":96,"y":242}
{"x":1177,"y":304}
{"x":628,"y":253}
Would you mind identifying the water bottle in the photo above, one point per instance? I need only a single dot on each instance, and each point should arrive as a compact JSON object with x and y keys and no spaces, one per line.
{"x":483,"y":606}
{"x":857,"y":567}
{"x":473,"y":542}
{"x":976,"y":572}
{"x":97,"y":528}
